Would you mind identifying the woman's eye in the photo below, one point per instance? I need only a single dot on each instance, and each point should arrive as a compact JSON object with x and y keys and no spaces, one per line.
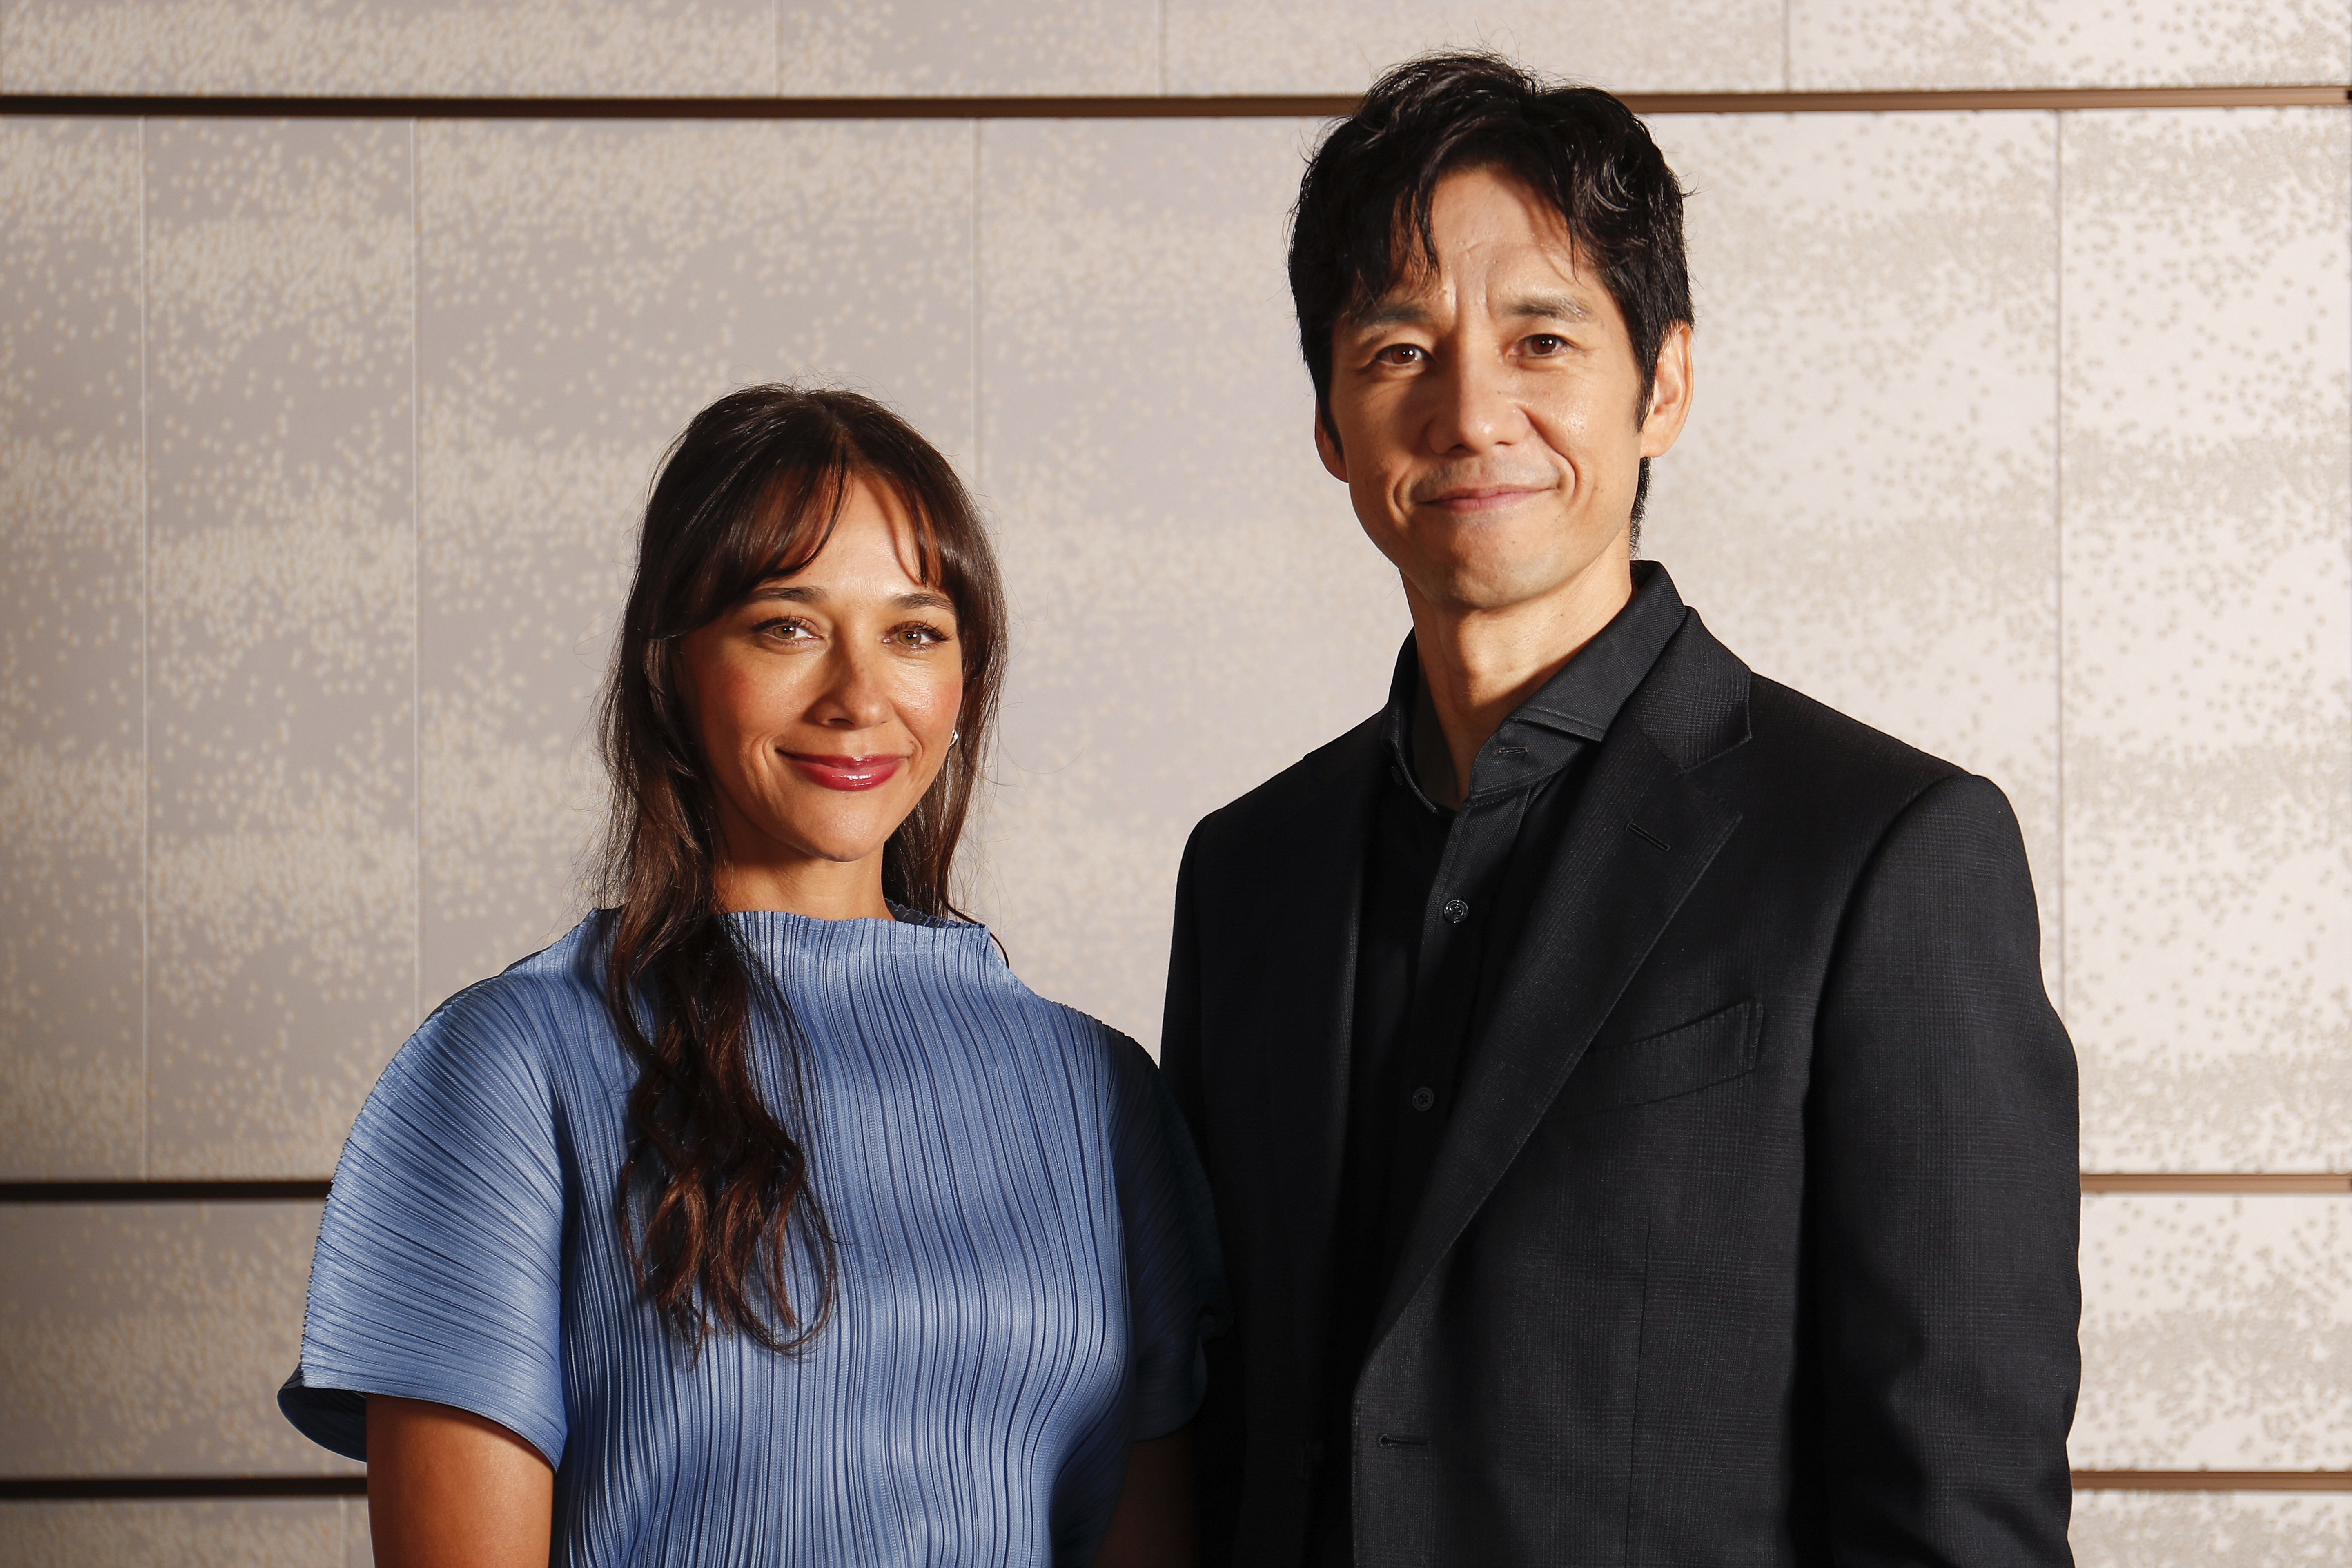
{"x":919,"y":637}
{"x":785,"y":631}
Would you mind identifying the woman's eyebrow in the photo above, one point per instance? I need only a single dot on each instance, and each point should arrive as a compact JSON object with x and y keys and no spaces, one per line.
{"x":810,"y":594}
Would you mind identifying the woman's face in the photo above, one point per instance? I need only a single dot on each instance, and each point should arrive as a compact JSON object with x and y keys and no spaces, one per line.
{"x":826,"y":702}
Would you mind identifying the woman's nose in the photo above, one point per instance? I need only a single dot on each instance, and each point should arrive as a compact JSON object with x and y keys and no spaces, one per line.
{"x":855,"y":697}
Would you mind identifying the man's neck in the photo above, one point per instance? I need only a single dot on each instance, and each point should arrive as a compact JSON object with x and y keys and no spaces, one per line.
{"x":1478,"y":666}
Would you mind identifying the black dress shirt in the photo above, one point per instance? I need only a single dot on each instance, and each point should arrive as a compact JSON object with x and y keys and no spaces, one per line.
{"x":1444,"y":896}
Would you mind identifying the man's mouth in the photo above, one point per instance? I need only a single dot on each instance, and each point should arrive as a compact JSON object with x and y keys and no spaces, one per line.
{"x":1471,"y":499}
{"x":845,"y":773}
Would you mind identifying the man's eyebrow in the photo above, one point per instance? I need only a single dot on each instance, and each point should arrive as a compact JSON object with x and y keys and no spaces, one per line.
{"x":1389,"y":313}
{"x":1558,"y":307}
{"x":1409,"y":312}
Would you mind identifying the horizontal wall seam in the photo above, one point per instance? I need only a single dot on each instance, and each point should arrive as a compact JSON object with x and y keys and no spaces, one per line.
{"x":314,"y":1189}
{"x":2219,"y":1181}
{"x":1235,"y":107}
{"x":162,"y":1192}
{"x":71,"y":1489}
{"x":2213,"y":1480}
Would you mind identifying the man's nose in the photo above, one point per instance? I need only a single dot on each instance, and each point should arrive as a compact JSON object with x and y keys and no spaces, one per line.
{"x":1472,"y":406}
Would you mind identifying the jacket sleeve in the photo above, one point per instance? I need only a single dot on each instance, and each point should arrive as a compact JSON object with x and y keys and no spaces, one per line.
{"x":1217,"y":1431}
{"x":1945,"y":1202}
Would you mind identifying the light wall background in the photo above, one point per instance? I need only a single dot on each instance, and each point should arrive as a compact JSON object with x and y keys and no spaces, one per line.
{"x":2025,"y":435}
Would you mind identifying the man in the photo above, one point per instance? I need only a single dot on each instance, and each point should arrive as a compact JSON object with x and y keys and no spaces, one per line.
{"x":1638,"y":1129}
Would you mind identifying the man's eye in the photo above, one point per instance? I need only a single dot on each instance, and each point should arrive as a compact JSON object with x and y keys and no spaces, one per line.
{"x":1547,"y":344}
{"x":1400,"y":354}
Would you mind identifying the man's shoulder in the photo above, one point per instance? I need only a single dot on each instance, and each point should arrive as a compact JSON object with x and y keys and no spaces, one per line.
{"x":1702,"y":705}
{"x":1821,"y":778}
{"x":1301,"y":797}
{"x":1772,"y":750}
{"x":1804,"y":731}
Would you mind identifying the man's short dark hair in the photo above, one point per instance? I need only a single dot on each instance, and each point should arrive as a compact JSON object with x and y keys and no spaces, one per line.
{"x":1372,"y":182}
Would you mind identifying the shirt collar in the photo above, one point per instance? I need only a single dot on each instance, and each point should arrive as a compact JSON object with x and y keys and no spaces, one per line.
{"x":1577,"y":705}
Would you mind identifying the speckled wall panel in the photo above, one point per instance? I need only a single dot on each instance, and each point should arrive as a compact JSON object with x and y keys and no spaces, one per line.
{"x":585,"y":290}
{"x":280,"y":673}
{"x":258,"y":1533}
{"x":2206,"y":534}
{"x":1339,"y":45}
{"x":2149,"y":1530}
{"x":2216,"y":1329}
{"x":1855,"y":45}
{"x":839,"y":48}
{"x":588,"y":47}
{"x":151,"y":1340}
{"x":1196,"y":606}
{"x":1863,"y":504}
{"x":71,"y":620}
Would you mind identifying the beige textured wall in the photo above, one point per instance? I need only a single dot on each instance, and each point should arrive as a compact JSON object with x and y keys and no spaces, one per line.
{"x":2026,"y":435}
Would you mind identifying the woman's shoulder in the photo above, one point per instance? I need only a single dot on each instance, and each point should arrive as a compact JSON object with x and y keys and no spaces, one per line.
{"x":516,"y":1023}
{"x":477,"y":1097}
{"x":1066,"y":1025}
{"x":1082,"y":1039}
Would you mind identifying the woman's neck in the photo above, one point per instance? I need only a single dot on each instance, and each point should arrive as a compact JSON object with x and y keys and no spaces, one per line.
{"x":823,"y":890}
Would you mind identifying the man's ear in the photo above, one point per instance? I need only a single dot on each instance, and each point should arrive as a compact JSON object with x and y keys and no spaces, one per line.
{"x":1326,"y":447}
{"x":1670,"y":392}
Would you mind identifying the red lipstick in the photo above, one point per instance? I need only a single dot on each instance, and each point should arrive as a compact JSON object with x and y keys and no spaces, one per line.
{"x":845,"y":773}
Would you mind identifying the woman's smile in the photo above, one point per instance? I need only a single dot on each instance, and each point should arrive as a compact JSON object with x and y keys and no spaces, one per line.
{"x":845,"y":773}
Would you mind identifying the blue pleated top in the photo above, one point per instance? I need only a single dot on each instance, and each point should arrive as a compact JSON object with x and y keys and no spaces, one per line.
{"x":1028,"y":1266}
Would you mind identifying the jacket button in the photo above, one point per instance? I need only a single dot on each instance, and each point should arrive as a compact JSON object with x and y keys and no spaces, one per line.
{"x":1456,"y":912}
{"x":1423,"y":1097}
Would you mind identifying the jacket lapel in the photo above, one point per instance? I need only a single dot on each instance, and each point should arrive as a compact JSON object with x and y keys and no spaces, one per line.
{"x":1637,"y":842}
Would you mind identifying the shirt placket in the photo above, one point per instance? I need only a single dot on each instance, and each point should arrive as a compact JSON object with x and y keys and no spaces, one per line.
{"x":1446,"y":977}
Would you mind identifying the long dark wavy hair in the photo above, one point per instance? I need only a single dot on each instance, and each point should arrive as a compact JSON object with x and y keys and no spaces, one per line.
{"x":714,"y":1200}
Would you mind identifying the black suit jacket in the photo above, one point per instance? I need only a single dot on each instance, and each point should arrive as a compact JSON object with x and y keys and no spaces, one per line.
{"x":1752,"y":1238}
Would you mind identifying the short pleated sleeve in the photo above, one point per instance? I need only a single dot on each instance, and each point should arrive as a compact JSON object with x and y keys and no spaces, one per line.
{"x":1176,"y":1285}
{"x":440,"y":1265}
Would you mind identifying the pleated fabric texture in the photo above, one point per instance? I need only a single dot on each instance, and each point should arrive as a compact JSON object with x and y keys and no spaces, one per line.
{"x":1028,"y":1265}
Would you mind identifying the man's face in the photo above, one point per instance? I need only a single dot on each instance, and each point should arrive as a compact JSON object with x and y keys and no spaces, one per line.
{"x":1489,"y":410}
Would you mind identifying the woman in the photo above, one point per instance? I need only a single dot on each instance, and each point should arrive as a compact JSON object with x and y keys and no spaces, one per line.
{"x":766,"y":1218}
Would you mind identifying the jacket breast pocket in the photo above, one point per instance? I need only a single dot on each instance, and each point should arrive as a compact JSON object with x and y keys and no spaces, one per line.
{"x":1706,"y":1051}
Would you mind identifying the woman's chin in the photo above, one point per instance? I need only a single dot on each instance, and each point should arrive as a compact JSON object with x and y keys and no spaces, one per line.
{"x":815,"y":846}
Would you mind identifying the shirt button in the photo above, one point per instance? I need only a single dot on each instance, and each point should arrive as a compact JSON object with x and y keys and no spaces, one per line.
{"x":1456,"y":912}
{"x":1423,"y":1098}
